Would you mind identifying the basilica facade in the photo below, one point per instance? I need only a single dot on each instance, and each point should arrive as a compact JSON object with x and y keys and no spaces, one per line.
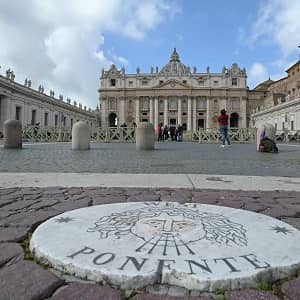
{"x":174,"y":95}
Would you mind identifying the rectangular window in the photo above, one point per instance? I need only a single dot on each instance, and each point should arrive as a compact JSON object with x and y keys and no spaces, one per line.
{"x":130,"y":83}
{"x":46,"y":119}
{"x":56,"y":120}
{"x":216,"y":83}
{"x":161,"y":82}
{"x":144,"y":82}
{"x":275,"y":127}
{"x":71,"y":123}
{"x":33,"y":117}
{"x":145,"y":104}
{"x":282,"y":125}
{"x":113,"y":82}
{"x":18,"y":113}
{"x":235,"y":104}
{"x":184,"y":81}
{"x":201,"y":82}
{"x":201,"y":103}
{"x":112,"y":104}
{"x":292,"y":125}
{"x":234,"y":81}
{"x":64,"y":121}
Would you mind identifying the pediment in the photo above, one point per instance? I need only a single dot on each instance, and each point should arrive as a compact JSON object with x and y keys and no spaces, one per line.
{"x":172,"y":84}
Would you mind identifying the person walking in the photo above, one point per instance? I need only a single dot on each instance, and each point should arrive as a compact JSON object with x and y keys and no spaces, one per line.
{"x":223,"y":123}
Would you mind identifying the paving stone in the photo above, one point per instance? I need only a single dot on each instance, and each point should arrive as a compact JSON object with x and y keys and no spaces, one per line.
{"x":250,"y":295}
{"x":108,"y":199}
{"x":255,"y":206}
{"x":291,"y":289}
{"x":158,"y":297}
{"x":13,"y":234}
{"x":278,"y":212}
{"x":29,"y":219}
{"x":19,"y":205}
{"x":25,"y":280}
{"x":10,"y":253}
{"x":80,"y":291}
{"x":70,"y":205}
{"x":44,"y":203}
{"x":292,"y":221}
{"x":143,"y":197}
{"x":55,"y":191}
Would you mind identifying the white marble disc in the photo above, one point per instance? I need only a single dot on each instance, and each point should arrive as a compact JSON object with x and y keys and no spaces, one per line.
{"x":199,"y":247}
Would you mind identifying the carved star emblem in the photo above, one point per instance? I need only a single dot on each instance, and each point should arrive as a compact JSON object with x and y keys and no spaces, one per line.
{"x":279,"y":229}
{"x":64,"y":220}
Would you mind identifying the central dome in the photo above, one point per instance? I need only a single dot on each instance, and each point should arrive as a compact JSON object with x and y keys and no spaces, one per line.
{"x":175,"y":66}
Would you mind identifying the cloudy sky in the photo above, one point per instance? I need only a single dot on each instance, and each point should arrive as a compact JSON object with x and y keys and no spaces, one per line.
{"x":64,"y":44}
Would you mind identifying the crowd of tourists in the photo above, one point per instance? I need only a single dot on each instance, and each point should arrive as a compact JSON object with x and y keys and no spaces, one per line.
{"x":169,"y":133}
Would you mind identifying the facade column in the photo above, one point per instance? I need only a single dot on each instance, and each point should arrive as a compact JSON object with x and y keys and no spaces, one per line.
{"x":179,"y":118}
{"x":122,"y":111}
{"x":243,"y":106}
{"x":151,"y":111}
{"x":156,"y":113}
{"x":208,"y":112}
{"x":189,"y":123}
{"x":194,"y":114}
{"x":166,"y":115}
{"x":104,"y":115}
{"x":137,"y":110}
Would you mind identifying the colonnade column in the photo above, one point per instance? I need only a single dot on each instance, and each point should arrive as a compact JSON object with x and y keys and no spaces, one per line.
{"x":156,"y":113}
{"x":166,"y":111}
{"x":208,"y":113}
{"x":122,"y":110}
{"x":189,"y":122}
{"x":151,"y":110}
{"x":194,"y":114}
{"x":243,"y":101}
{"x":104,"y":115}
{"x":137,"y":110}
{"x":179,"y":118}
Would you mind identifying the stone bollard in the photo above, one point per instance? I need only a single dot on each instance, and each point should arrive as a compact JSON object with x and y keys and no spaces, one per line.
{"x":265,"y":130}
{"x":270,"y":131}
{"x":261,"y":132}
{"x":145,"y":136}
{"x":12,"y":130}
{"x":81,"y":136}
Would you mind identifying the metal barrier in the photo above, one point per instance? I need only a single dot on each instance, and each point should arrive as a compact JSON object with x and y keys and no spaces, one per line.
{"x":212,"y":135}
{"x":127,"y":135}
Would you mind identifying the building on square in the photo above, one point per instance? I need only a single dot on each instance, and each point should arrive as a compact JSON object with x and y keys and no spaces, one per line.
{"x":175,"y":94}
{"x":281,"y":101}
{"x":34,"y":107}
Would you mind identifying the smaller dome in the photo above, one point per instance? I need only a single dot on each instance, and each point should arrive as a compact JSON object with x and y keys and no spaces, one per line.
{"x":175,"y":66}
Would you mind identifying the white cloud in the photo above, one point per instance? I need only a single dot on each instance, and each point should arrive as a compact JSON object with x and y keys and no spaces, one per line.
{"x":278,"y":22}
{"x":60,"y":43}
{"x":256,"y":74}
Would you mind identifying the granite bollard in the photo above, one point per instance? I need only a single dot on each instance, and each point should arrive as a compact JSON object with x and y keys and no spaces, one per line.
{"x":81,"y":136}
{"x":145,"y":136}
{"x":266,"y":130}
{"x":12,"y":130}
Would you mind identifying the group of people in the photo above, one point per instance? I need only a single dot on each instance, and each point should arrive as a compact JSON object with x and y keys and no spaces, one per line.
{"x":166,"y":133}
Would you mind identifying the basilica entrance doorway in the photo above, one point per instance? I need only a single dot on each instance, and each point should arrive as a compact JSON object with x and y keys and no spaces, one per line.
{"x":113,"y":120}
{"x":234,"y":120}
{"x":200,"y":124}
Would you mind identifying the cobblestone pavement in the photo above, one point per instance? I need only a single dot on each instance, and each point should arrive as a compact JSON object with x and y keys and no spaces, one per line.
{"x":168,"y":157}
{"x":23,"y":209}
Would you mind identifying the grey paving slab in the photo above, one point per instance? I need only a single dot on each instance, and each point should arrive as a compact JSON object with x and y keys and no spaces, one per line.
{"x":10,"y":253}
{"x":13,"y":234}
{"x":167,"y":158}
{"x":81,"y":291}
{"x":26,"y":280}
{"x":291,"y":289}
{"x":251,"y":295}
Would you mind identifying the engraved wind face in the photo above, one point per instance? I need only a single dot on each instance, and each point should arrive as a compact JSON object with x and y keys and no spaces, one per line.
{"x":166,"y":228}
